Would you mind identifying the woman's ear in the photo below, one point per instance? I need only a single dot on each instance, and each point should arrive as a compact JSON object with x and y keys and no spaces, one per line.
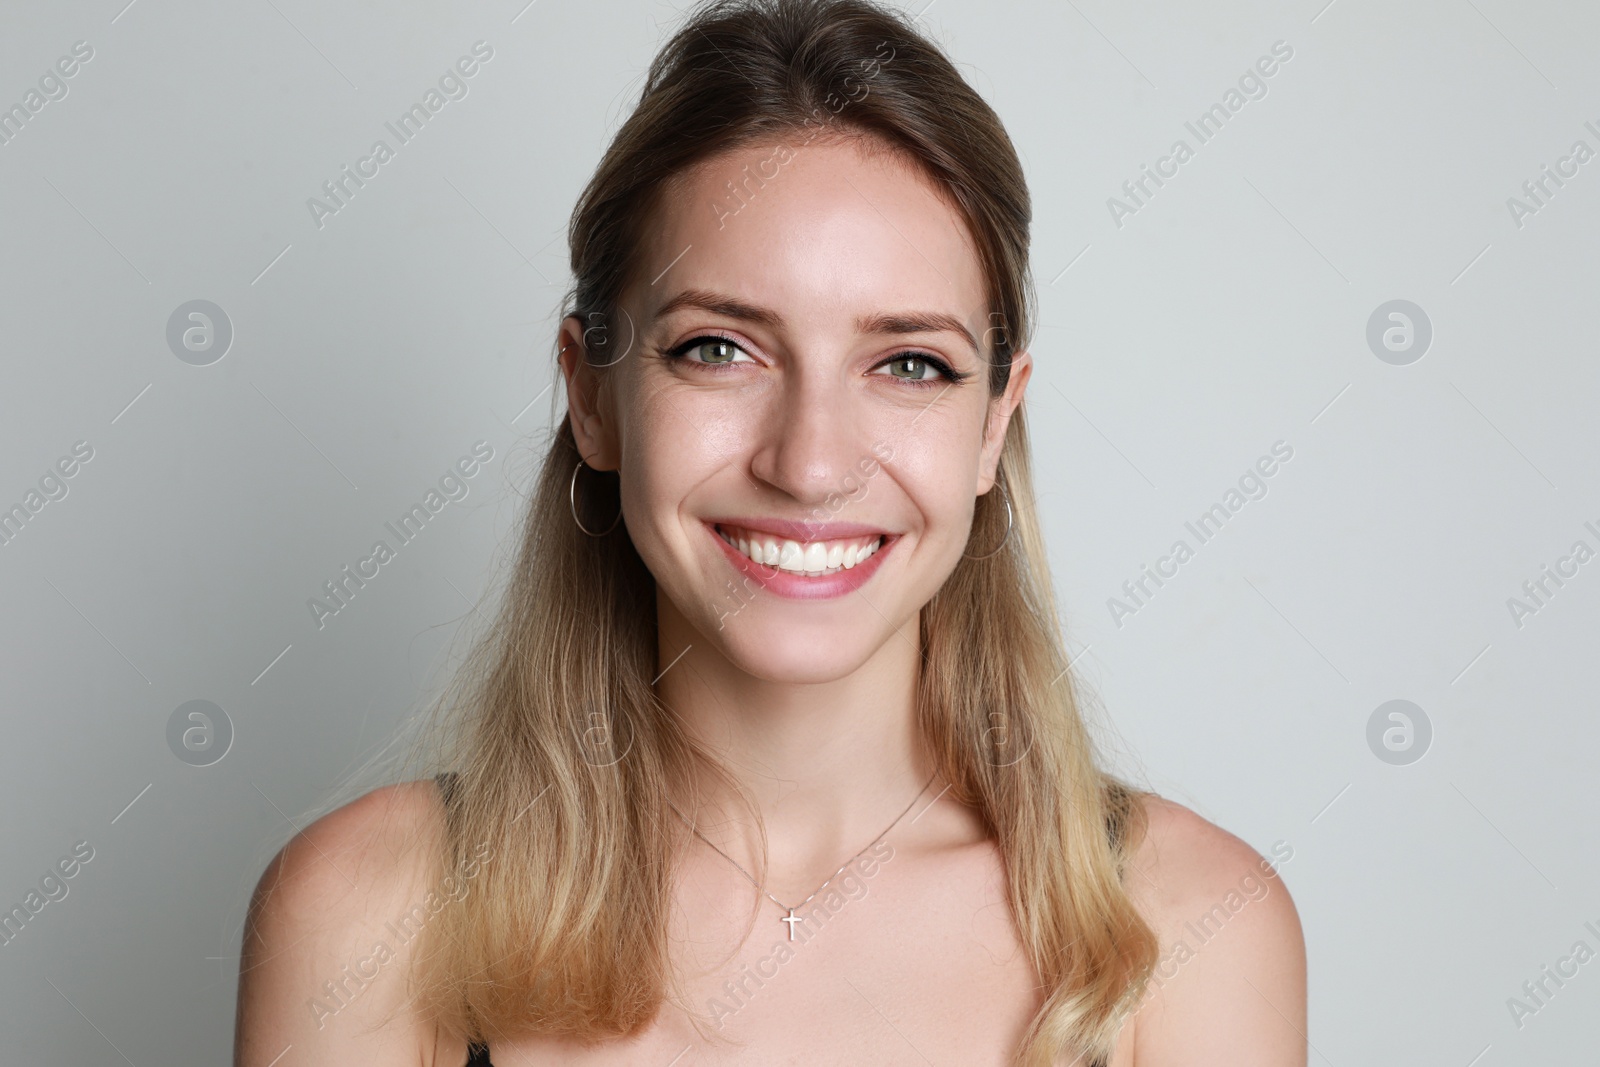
{"x":1000,"y":409}
{"x":592,"y":426}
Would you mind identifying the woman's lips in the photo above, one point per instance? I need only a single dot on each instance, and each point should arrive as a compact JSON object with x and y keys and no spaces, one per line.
{"x":810,"y":565}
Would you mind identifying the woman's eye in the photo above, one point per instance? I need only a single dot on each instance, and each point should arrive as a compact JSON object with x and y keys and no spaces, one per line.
{"x":713,"y":350}
{"x":914,"y":368}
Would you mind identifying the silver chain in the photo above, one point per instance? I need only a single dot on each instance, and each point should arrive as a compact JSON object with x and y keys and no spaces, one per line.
{"x":831,"y":877}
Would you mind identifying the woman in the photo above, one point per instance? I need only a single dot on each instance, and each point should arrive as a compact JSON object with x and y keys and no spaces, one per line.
{"x":772,"y":752}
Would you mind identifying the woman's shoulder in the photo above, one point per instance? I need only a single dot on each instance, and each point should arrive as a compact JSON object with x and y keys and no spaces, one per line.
{"x":1180,"y":854}
{"x":1232,"y":967}
{"x":367,"y":846}
{"x":322,"y":963}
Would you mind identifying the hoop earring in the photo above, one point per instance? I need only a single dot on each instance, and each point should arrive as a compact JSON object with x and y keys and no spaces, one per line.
{"x":572,"y":500}
{"x":1001,"y":485}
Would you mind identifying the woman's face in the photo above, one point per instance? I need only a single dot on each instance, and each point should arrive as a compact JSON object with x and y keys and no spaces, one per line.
{"x":797,"y":410}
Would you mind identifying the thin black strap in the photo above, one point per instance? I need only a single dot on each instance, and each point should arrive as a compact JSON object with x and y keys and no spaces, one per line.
{"x":477,"y":1055}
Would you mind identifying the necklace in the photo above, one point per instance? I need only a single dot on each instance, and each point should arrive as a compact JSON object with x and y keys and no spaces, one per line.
{"x":791,"y":918}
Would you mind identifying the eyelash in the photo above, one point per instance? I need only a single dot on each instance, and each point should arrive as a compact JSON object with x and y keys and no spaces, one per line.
{"x":951,"y":375}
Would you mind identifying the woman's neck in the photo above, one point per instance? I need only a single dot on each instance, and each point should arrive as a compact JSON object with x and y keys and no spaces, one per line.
{"x":828,"y":764}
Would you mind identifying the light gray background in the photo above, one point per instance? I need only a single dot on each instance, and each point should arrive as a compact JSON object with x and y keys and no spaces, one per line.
{"x":1228,"y":313}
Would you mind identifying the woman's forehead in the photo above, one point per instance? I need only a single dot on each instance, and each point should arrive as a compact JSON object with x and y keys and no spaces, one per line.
{"x":811,"y":232}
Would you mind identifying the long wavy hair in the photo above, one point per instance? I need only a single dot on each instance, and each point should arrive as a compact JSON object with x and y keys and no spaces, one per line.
{"x":562,"y":753}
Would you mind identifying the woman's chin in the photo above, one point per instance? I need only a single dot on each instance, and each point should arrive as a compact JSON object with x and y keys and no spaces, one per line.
{"x":784,"y":655}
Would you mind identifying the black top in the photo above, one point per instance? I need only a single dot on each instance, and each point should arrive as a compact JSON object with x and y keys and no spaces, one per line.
{"x":446,"y":781}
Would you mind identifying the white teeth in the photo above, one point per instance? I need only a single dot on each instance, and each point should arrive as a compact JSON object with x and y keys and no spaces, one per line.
{"x":812,"y":559}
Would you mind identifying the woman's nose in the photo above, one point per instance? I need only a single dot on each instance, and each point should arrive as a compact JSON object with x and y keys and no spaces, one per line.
{"x":807,"y":437}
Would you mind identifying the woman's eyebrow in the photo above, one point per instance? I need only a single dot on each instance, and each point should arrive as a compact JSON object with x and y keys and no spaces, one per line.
{"x":917,"y":322}
{"x":899,"y":322}
{"x":718,"y":304}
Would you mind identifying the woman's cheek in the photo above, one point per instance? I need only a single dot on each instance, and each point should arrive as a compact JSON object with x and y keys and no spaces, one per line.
{"x":941,"y":476}
{"x":698,"y":426}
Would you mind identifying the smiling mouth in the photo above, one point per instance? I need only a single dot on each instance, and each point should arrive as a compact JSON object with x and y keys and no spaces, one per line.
{"x":813,"y":559}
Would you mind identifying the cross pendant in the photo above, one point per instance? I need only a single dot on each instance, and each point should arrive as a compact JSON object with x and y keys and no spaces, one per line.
{"x":791,"y":919}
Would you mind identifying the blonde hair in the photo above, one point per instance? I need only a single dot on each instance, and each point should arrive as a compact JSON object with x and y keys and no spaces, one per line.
{"x":563,"y":756}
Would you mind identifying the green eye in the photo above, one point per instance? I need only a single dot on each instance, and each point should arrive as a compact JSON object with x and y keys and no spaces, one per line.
{"x":709,"y":349}
{"x":717,"y":351}
{"x":921,"y":369}
{"x":913,"y":367}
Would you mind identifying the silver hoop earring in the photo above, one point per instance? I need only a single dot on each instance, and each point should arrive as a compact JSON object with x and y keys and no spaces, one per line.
{"x":572,"y":500}
{"x":1009,"y":522}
